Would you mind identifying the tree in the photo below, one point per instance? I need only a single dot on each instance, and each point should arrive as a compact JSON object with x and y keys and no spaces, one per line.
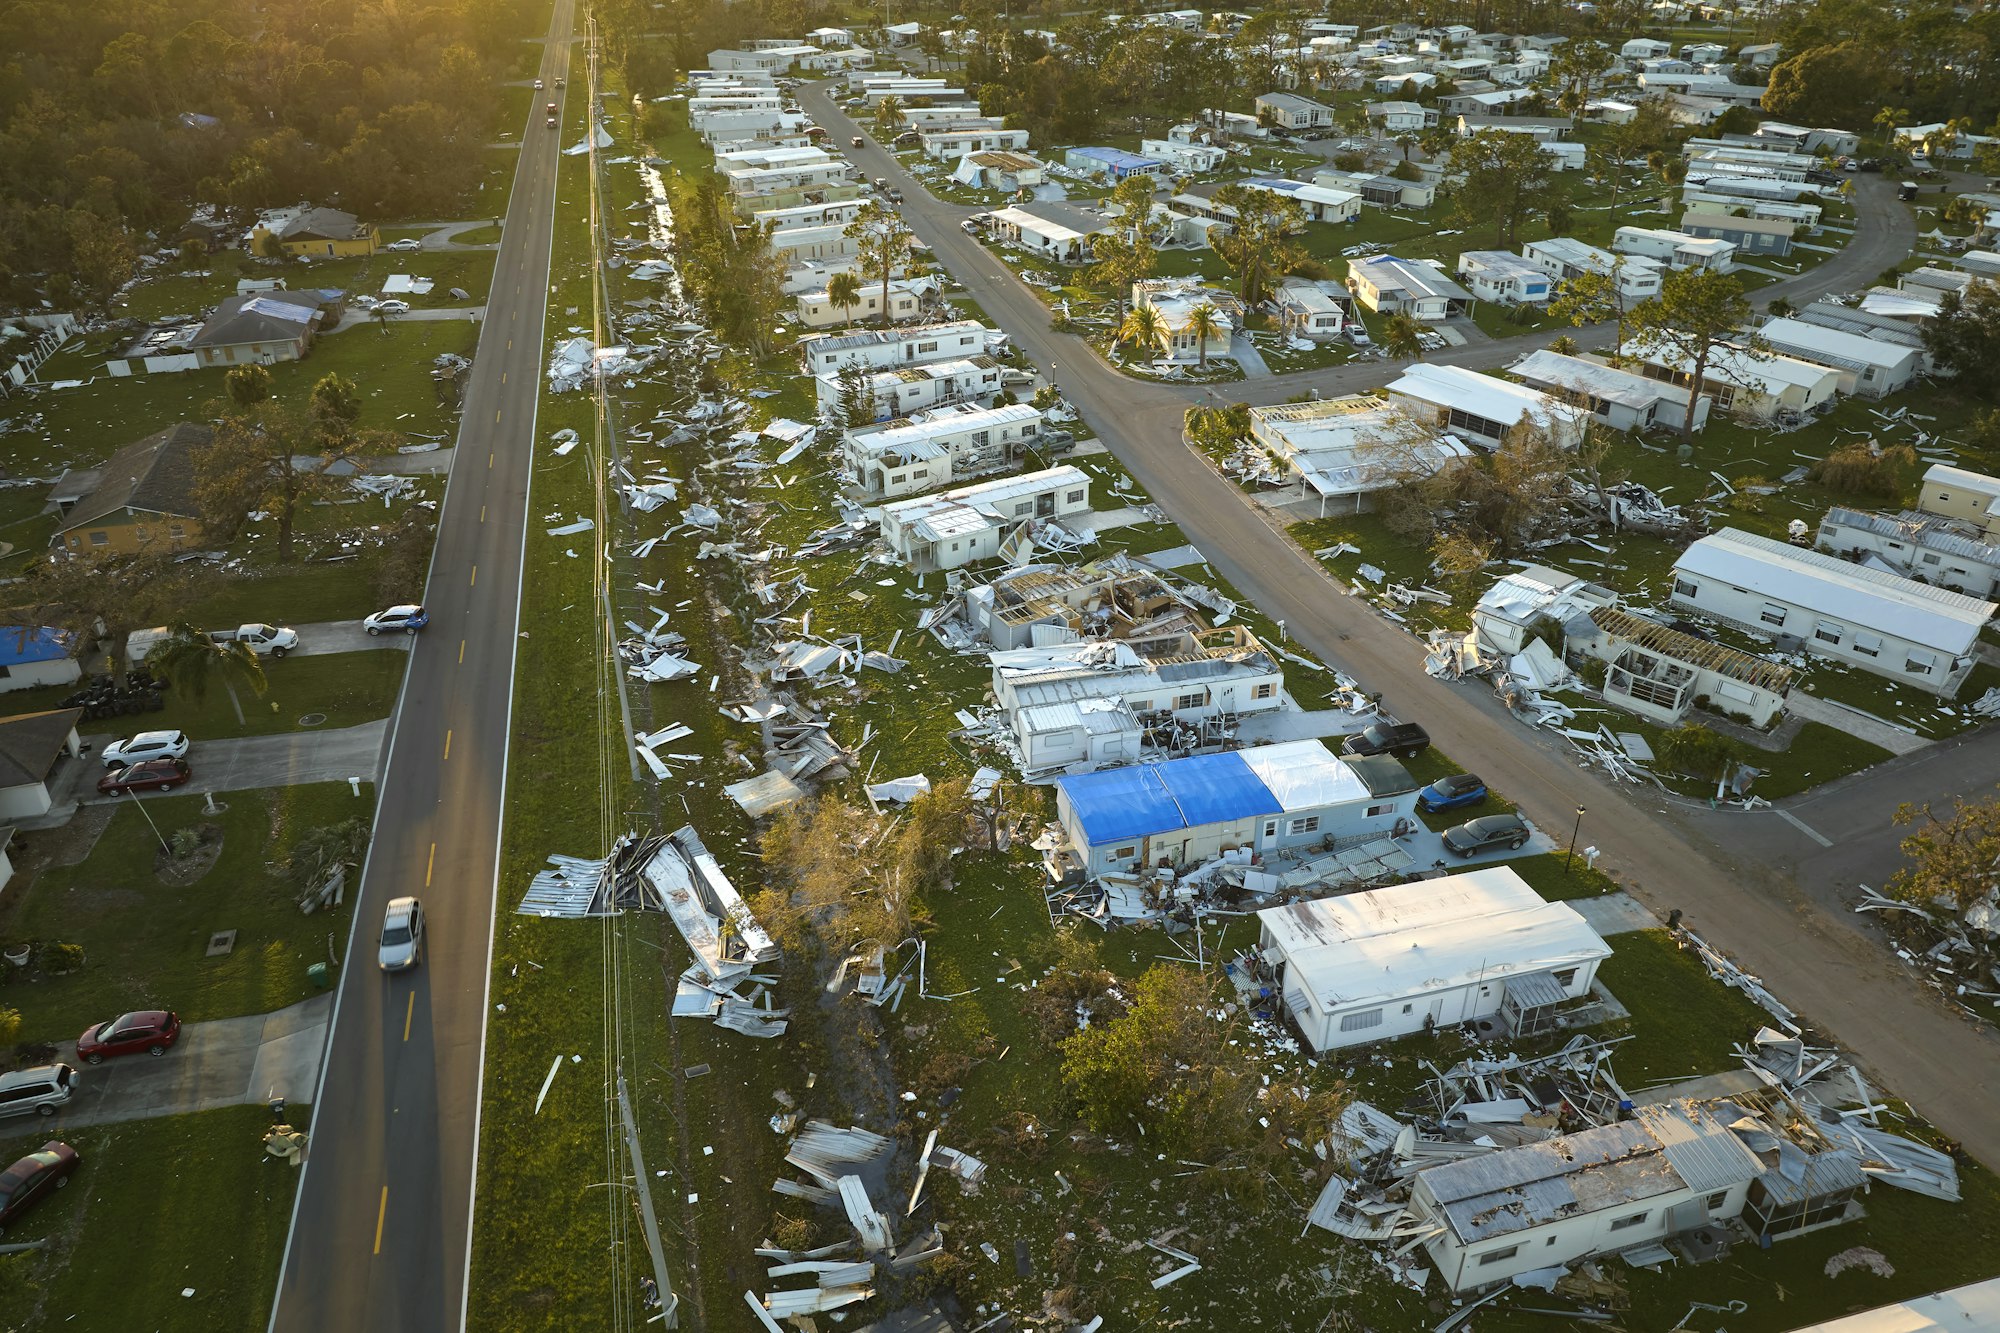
{"x":1950,"y":860}
{"x":1964,"y":339}
{"x":1204,"y":322}
{"x":729,"y":268}
{"x":889,"y":116}
{"x":1591,"y":298}
{"x":1117,"y":263}
{"x":1696,"y":310}
{"x":102,"y":601}
{"x":1259,"y":249}
{"x":1132,"y":198}
{"x":843,"y":293}
{"x":1507,"y":178}
{"x":1827,"y":85}
{"x":274,"y":458}
{"x":247,"y":386}
{"x":193,"y":252}
{"x":1402,"y":336}
{"x":883,"y":247}
{"x":1144,"y":328}
{"x":102,"y":257}
{"x":1698,"y":751}
{"x":857,"y":395}
{"x":190,"y":661}
{"x":1864,"y":469}
{"x":1575,"y":68}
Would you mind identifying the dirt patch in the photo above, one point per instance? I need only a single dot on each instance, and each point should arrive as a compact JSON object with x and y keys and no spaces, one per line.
{"x":182,"y":870}
{"x":68,"y":845}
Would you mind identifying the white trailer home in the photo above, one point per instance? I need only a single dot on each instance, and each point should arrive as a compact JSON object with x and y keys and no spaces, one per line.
{"x":1906,"y":631}
{"x":1388,"y":963}
{"x":962,"y":526}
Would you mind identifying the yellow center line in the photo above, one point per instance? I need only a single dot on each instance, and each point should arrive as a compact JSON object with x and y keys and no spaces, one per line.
{"x":461,"y":652}
{"x":482,"y":513}
{"x":447,"y":742}
{"x":510,"y":344}
{"x":409,"y":1014}
{"x":474,"y":580}
{"x":430,"y":865}
{"x":489,"y":458}
{"x":496,"y":418}
{"x":382,"y":1213}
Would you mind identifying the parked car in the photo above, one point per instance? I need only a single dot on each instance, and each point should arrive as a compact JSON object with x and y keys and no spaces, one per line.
{"x":153,"y":1031}
{"x":1486,"y":833}
{"x":402,"y":942}
{"x":34,"y":1178}
{"x":40,"y":1090}
{"x":393,"y":307}
{"x":1357,"y":335}
{"x":146,"y":745}
{"x":405,"y":243}
{"x":407,"y":618}
{"x":275,"y":640}
{"x":856,"y":142}
{"x":153,"y":775}
{"x":1449,"y":793}
{"x":1402,"y":739}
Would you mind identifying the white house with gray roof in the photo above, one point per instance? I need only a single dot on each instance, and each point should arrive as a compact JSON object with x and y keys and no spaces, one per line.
{"x":969,"y":524}
{"x":1947,"y":552}
{"x":1879,"y":621}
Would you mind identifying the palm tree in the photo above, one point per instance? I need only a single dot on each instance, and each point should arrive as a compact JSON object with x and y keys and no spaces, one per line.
{"x":888,"y":116}
{"x":1204,"y":322}
{"x":190,"y":661}
{"x":843,"y":292}
{"x":1143,"y":327}
{"x":1402,"y":336}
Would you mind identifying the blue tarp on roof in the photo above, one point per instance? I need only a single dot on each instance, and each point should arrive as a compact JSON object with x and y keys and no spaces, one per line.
{"x":1121,"y":804}
{"x":1118,"y":159}
{"x":1217,"y":788}
{"x":42,"y":645}
{"x":1146,"y":800}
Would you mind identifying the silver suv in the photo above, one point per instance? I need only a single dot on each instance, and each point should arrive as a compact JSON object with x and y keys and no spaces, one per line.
{"x":43,"y":1089}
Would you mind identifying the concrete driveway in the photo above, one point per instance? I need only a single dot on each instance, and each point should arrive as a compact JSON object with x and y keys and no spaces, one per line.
{"x":239,"y":764}
{"x":325,"y":637}
{"x":228,"y":1062}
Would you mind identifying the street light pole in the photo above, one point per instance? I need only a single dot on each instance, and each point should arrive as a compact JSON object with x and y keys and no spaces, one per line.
{"x":164,"y":849}
{"x":1571,"y":857}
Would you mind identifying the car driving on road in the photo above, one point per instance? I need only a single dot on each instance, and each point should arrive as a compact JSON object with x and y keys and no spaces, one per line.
{"x":856,"y":142}
{"x":146,"y":745}
{"x":406,"y":619}
{"x":402,"y":942}
{"x":152,"y":775}
{"x":1487,"y":833}
{"x":33,"y":1178}
{"x":153,"y":1031}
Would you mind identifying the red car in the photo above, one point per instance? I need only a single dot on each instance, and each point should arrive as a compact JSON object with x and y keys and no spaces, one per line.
{"x":151,"y":775}
{"x":150,"y":1030}
{"x":34,"y":1178}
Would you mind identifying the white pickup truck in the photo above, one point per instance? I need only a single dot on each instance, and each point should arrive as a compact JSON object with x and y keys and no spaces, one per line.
{"x":263,"y":640}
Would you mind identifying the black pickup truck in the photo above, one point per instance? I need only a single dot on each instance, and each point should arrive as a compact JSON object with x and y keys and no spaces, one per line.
{"x":1405,"y":740}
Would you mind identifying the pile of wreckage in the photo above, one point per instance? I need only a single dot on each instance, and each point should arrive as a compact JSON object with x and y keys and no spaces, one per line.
{"x":1116,"y":597}
{"x":848,"y":1169}
{"x":1805,"y":1114}
{"x":1232,"y":882}
{"x":678,"y":875}
{"x":1953,"y":946}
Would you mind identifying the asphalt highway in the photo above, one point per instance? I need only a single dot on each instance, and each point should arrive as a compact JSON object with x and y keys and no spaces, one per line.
{"x":1756,"y":890}
{"x":382,"y":1224}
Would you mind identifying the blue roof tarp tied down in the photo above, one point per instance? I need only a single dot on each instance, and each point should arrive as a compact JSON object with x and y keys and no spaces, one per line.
{"x":1123,"y":804}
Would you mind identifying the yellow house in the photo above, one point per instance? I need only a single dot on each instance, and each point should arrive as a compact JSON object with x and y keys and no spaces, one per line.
{"x":142,"y":499}
{"x":320,"y":233}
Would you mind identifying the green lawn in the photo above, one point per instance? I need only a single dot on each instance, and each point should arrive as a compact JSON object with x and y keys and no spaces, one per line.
{"x":144,"y":940}
{"x":192,"y":1207}
{"x":295,"y":594}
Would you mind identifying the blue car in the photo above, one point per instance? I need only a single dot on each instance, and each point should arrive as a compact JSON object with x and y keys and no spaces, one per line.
{"x":1451,"y":793}
{"x":397,"y":620}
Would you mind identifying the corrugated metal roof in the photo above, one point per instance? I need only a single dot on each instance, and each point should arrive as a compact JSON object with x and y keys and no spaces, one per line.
{"x":1704,"y":1151}
{"x":1866,"y":598}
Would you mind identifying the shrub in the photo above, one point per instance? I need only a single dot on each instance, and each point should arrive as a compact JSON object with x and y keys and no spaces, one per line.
{"x":59,"y":959}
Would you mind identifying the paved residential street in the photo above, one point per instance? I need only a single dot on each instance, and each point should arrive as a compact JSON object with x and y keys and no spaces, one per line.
{"x":382,"y":1228}
{"x":228,"y":1062}
{"x":1738,"y":887}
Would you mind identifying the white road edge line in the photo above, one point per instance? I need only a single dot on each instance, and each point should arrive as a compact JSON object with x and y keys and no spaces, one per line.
{"x":507,"y":748}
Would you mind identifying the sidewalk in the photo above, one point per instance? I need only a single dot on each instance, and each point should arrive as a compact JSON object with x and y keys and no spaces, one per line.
{"x":229,"y":1062}
{"x":1854,"y":722}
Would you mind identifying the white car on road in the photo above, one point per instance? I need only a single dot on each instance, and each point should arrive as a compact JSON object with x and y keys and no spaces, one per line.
{"x":402,"y":941}
{"x":146,"y":745}
{"x":406,"y":243}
